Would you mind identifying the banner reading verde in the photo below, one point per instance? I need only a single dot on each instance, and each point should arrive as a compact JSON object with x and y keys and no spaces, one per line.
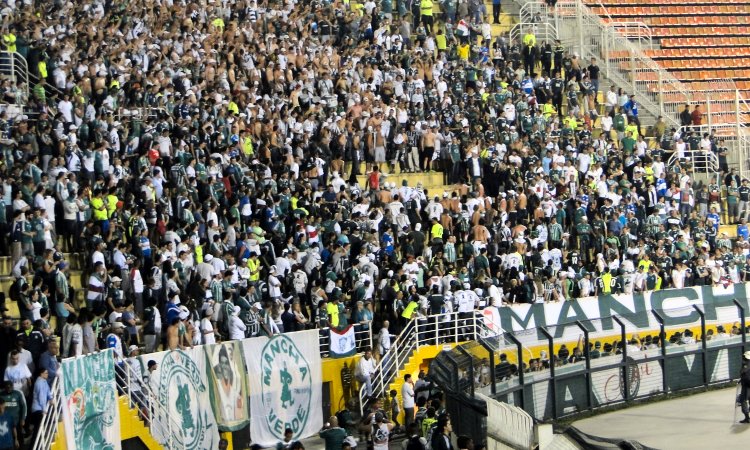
{"x":180,"y":386}
{"x":90,"y":411}
{"x":284,"y":374}
{"x":226,"y":366}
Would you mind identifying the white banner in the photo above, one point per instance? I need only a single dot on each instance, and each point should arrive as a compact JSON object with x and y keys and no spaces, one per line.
{"x":91,"y":415}
{"x":636,"y":311}
{"x":180,"y":386}
{"x":285,"y":379}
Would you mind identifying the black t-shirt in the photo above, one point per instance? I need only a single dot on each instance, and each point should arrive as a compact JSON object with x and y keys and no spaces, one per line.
{"x":436,"y":303}
{"x":593,"y":72}
{"x":148,"y":318}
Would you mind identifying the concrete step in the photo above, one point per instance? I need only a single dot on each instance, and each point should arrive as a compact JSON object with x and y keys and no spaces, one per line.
{"x":131,"y":426}
{"x":75,"y":281}
{"x":76,"y":260}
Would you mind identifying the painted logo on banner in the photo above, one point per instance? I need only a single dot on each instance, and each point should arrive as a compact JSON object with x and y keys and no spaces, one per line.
{"x":91,"y":413}
{"x":180,"y":387}
{"x":286,"y":386}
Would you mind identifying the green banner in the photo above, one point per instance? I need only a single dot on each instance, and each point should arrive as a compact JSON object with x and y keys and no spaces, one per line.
{"x":229,"y":399}
{"x":90,"y":411}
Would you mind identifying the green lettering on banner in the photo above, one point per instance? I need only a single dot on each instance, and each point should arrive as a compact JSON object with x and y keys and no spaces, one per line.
{"x":712,"y":301}
{"x":609,"y":306}
{"x":670,"y":319}
{"x":277,"y":427}
{"x":534,"y":318}
{"x":566,"y":320}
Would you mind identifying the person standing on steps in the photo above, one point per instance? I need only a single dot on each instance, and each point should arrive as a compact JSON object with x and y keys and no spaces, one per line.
{"x":744,"y":383}
{"x":496,"y":11}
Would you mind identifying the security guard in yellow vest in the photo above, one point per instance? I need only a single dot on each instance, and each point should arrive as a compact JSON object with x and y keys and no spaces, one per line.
{"x":436,"y":232}
{"x":426,"y":10}
{"x":42,"y":67}
{"x":606,"y":282}
{"x":441,"y":42}
{"x":254,"y":265}
{"x":9,"y":41}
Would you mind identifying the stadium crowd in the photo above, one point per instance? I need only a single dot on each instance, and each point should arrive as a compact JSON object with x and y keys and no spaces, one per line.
{"x":204,"y":160}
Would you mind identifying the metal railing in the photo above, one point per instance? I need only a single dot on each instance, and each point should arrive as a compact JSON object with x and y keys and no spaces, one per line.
{"x":700,"y":160}
{"x":16,"y":66}
{"x":592,"y":36}
{"x":162,"y":426}
{"x":530,"y":11}
{"x":544,"y":32}
{"x":362,"y":337}
{"x":431,"y":330}
{"x":634,"y":363}
{"x":50,"y":419}
{"x":144,"y":113}
{"x":635,"y":31}
{"x":671,"y":364}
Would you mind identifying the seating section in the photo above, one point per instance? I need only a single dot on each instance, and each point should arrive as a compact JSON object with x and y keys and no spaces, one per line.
{"x":698,"y":41}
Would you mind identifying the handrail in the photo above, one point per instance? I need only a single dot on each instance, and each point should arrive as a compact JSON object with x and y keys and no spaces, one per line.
{"x":542,"y":31}
{"x":529,"y":10}
{"x":162,"y":426}
{"x":634,"y":30}
{"x":430,"y":330}
{"x":50,"y":419}
{"x":702,"y":161}
{"x":16,"y":65}
{"x":594,"y":37}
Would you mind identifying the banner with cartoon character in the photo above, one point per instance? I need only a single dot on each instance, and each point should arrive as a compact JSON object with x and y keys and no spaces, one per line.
{"x":284,"y":374}
{"x":180,"y":386}
{"x":90,"y":412}
{"x":228,"y":385}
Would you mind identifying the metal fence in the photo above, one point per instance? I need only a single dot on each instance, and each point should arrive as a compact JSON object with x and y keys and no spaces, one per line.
{"x":440,"y":329}
{"x":50,"y":419}
{"x":155,"y":416}
{"x":565,"y":378}
{"x":623,"y":61}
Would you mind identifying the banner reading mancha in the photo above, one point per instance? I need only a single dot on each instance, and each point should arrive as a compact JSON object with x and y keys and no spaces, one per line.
{"x":284,"y":374}
{"x":90,"y":412}
{"x":229,"y":399}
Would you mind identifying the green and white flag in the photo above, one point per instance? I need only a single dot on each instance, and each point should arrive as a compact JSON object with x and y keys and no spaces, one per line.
{"x":91,"y":415}
{"x":284,"y":373}
{"x":342,"y":343}
{"x":181,"y":387}
{"x":228,"y":381}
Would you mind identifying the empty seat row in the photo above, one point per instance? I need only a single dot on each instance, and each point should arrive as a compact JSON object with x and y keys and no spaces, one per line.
{"x":703,"y":42}
{"x":667,"y":10}
{"x":726,"y":31}
{"x":703,"y":21}
{"x":666,"y":2}
{"x":689,"y":52}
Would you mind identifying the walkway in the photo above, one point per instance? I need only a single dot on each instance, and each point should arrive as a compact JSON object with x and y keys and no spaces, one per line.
{"x":702,"y":421}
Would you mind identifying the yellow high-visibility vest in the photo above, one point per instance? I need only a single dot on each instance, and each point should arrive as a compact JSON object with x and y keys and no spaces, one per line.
{"x":441,"y":42}
{"x":99,"y":211}
{"x":436,"y":231}
{"x":253,"y":264}
{"x":9,"y":40}
{"x":111,"y":204}
{"x":426,"y":8}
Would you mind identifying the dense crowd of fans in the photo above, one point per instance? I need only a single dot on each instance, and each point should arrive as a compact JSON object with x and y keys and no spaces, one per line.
{"x":204,"y":161}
